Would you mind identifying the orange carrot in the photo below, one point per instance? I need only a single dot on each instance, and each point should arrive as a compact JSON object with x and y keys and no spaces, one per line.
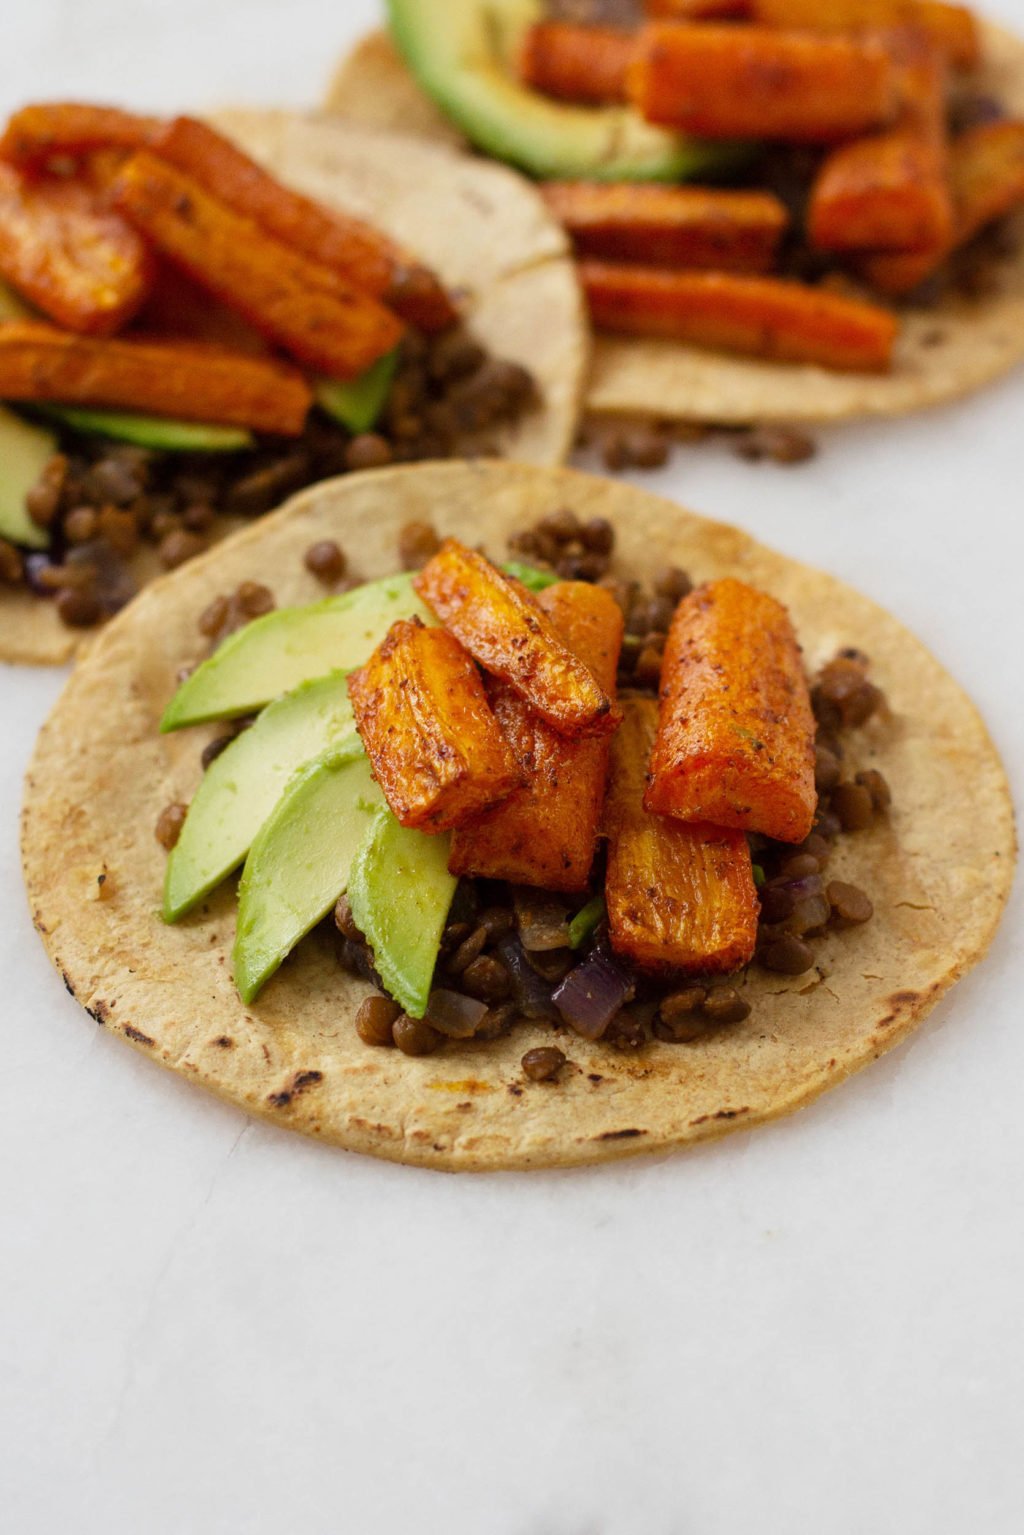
{"x":44,"y":130}
{"x":545,"y":833}
{"x":756,"y":316}
{"x":164,"y":378}
{"x":953,"y":28}
{"x":506,"y":630}
{"x":987,"y":175}
{"x":576,"y":63}
{"x":679,"y":897}
{"x":179,"y":309}
{"x":436,"y":749}
{"x":735,"y":742}
{"x":752,"y":82}
{"x":358,"y":252}
{"x":670,"y":226}
{"x":65,"y":252}
{"x":892,"y":191}
{"x":308,"y":309}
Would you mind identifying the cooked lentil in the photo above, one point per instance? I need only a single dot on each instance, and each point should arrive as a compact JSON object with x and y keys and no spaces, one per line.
{"x":375,"y":1021}
{"x":326,"y":561}
{"x":543,"y":1064}
{"x":169,"y":824}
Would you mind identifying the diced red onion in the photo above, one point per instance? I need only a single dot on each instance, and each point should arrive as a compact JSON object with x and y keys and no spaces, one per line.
{"x":455,"y":1015}
{"x":532,"y":995}
{"x":593,"y":993}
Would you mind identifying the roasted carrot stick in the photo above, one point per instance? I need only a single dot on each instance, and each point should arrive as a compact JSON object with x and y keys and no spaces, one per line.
{"x":70,"y":256}
{"x":987,"y":175}
{"x":436,"y":749}
{"x":545,"y":833}
{"x":505,"y":629}
{"x":38,"y":132}
{"x":735,"y":742}
{"x":165,"y":378}
{"x":576,"y":63}
{"x":179,"y":309}
{"x":953,"y":28}
{"x":679,"y":897}
{"x":670,"y":226}
{"x":757,"y":316}
{"x":360,"y":253}
{"x":892,"y":191}
{"x":310,"y":310}
{"x":752,"y":82}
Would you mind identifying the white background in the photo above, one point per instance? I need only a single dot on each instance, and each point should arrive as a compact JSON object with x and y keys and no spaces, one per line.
{"x":207,"y":1325}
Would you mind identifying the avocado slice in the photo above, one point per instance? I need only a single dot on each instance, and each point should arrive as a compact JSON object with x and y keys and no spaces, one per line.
{"x":401,"y":892}
{"x":277,"y":653}
{"x":162,"y":433}
{"x":241,"y":787}
{"x":358,"y":403}
{"x":25,"y":450}
{"x":299,"y":863}
{"x":465,"y":61}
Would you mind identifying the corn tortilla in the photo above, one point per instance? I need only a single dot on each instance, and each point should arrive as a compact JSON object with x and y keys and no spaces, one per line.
{"x":480,"y":226}
{"x":102,"y":773}
{"x":943,"y":353}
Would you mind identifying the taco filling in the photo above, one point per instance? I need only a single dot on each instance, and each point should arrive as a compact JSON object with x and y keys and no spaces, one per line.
{"x":185,"y":341}
{"x":547,"y":793}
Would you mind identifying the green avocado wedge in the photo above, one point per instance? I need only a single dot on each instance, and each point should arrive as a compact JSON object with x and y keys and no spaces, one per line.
{"x":162,"y":433}
{"x":242,"y":786}
{"x":25,"y":450}
{"x":299,"y":863}
{"x":358,"y":403}
{"x":279,"y":652}
{"x":466,"y":62}
{"x":401,"y":892}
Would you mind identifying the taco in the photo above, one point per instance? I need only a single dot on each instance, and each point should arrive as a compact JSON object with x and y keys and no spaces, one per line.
{"x":580,"y":987}
{"x":160,"y":385}
{"x":718,"y":311}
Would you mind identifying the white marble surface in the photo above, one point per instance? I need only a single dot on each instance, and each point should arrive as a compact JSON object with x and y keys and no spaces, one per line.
{"x":209,"y":1326}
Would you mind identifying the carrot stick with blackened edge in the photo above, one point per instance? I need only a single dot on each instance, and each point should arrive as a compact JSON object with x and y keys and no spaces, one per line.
{"x":69,"y":254}
{"x":576,"y":63}
{"x":310,"y":310}
{"x":735,"y":743}
{"x":670,"y":226}
{"x":545,"y":833}
{"x":755,"y":316}
{"x":680,"y":898}
{"x":361,"y":254}
{"x":752,"y":82}
{"x":506,"y":630}
{"x":186,"y":380}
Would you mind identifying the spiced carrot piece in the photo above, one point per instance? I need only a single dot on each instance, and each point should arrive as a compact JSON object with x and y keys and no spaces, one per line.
{"x":757,"y":316}
{"x":507,"y":631}
{"x":735,"y":743}
{"x":65,"y":252}
{"x":436,"y":749}
{"x":576,"y":63}
{"x":754,"y":82}
{"x":987,"y":176}
{"x":545,"y":833}
{"x":679,"y":897}
{"x":164,"y":378}
{"x":892,"y":191}
{"x":358,"y":252}
{"x":670,"y":226}
{"x":308,"y":309}
{"x":953,"y":28}
{"x":37,"y":133}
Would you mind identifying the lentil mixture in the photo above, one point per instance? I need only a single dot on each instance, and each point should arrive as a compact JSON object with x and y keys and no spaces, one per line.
{"x":506,"y":949}
{"x":103,"y":502}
